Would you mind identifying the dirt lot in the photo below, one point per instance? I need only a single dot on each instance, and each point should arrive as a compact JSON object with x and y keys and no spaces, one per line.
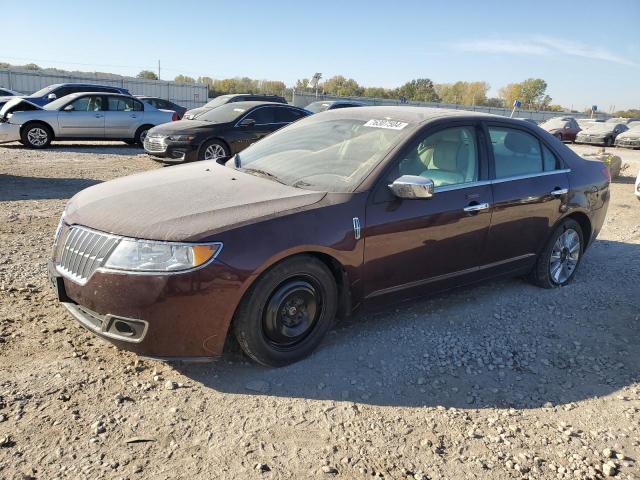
{"x":503,"y":380}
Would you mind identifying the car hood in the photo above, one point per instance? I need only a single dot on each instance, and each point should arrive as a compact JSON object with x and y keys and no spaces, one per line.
{"x":633,"y":133}
{"x":183,"y":126}
{"x":15,"y":104}
{"x":597,"y":131}
{"x":184,"y":203}
{"x":195,"y":111}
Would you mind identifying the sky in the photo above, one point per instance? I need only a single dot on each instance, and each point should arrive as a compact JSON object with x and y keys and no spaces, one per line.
{"x":588,"y":52}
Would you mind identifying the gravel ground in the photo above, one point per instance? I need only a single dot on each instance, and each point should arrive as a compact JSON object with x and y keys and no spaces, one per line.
{"x":498,"y":381}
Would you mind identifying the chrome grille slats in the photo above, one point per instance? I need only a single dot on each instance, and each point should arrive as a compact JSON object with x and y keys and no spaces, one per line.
{"x":155,"y":144}
{"x":83,"y":251}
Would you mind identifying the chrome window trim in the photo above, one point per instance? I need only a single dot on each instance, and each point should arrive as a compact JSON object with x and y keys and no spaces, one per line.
{"x":480,"y":183}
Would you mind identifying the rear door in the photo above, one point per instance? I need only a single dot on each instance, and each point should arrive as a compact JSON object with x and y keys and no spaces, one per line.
{"x":530,"y":191}
{"x":123,"y":117}
{"x":83,"y":118}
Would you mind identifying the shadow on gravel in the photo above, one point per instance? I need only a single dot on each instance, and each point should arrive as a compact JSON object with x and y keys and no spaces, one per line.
{"x":104,"y":149}
{"x":502,"y":344}
{"x":14,"y":187}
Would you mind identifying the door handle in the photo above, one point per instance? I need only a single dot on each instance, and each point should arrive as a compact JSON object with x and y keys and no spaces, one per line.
{"x":134,"y":116}
{"x":476,"y":207}
{"x":559,"y":191}
{"x":98,"y":115}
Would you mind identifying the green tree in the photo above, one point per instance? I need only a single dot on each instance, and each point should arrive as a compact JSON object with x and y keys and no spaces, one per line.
{"x":510,"y":93}
{"x":184,"y":79}
{"x":631,"y":113}
{"x":32,"y":66}
{"x":420,"y":89}
{"x":147,"y":75}
{"x":534,"y":93}
{"x":4,"y":65}
{"x":302,"y":84}
{"x":341,"y":86}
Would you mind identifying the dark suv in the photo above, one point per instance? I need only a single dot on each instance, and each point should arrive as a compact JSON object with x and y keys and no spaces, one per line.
{"x":59,"y":90}
{"x":236,"y":97}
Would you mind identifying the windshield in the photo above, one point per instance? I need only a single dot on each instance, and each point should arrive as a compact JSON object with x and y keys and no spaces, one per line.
{"x":316,"y":107}
{"x":555,"y":123}
{"x":43,"y":91}
{"x":58,"y":103}
{"x":216,"y":102}
{"x":330,"y":156}
{"x":223,"y":114}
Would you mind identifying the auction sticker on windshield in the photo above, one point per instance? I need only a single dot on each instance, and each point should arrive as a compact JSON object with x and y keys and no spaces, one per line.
{"x":391,"y":124}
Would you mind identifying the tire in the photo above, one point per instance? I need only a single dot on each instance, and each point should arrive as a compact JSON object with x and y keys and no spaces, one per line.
{"x":287,"y":312}
{"x":129,"y":142}
{"x":141,"y":133}
{"x":608,"y":142}
{"x":213,"y":150}
{"x":561,"y":251}
{"x":36,"y":135}
{"x":559,"y":136}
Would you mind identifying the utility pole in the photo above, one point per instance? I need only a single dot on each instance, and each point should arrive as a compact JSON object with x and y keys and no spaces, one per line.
{"x":158,"y":69}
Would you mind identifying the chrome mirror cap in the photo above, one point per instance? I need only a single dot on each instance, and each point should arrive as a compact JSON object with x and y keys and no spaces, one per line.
{"x":412,"y":186}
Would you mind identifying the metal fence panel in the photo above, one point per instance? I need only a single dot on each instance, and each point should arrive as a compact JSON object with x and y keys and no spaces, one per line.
{"x":302,"y":99}
{"x":190,"y":95}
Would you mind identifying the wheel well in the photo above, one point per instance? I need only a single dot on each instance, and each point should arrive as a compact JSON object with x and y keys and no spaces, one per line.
{"x":217,"y":139}
{"x":40,"y":122}
{"x":342,"y":281}
{"x":585,"y":225}
{"x":146,"y":125}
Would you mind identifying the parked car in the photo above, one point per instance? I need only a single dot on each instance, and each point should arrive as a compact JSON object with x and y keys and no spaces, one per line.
{"x":630,"y":138}
{"x":236,"y":97}
{"x":634,"y":124}
{"x":322,"y":106}
{"x":604,"y":133}
{"x":219,"y":133}
{"x":5,"y":92}
{"x":622,"y":120}
{"x":162,"y":104}
{"x":343,"y":208}
{"x":585,"y":122}
{"x":59,"y":90}
{"x":80,"y":116}
{"x":564,"y":129}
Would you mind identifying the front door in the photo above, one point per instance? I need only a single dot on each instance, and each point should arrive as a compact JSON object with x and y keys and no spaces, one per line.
{"x":529,"y":192}
{"x":82,"y":118}
{"x":264,"y":123}
{"x":420,"y":242}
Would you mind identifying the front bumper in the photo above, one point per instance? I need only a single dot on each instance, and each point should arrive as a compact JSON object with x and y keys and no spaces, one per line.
{"x":162,"y":150}
{"x":627,"y":142}
{"x":590,"y":140}
{"x":9,"y":132}
{"x":182,"y":315}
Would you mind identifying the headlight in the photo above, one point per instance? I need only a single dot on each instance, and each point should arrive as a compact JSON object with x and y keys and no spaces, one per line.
{"x":149,"y":256}
{"x":181,"y":138}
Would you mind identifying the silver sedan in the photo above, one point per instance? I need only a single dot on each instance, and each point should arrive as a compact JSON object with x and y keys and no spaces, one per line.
{"x":80,"y":116}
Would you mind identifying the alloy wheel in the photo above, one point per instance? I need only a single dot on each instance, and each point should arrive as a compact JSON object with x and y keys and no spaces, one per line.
{"x":564,"y":256}
{"x":292,"y":312}
{"x":37,"y":136}
{"x":213,"y":152}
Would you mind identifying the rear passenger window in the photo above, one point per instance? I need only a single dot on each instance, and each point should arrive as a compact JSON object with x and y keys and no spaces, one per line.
{"x":287,"y":115}
{"x":263,"y":115}
{"x":515,"y":152}
{"x":550,"y":160}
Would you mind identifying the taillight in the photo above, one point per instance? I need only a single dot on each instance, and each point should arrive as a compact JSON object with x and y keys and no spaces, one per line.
{"x":174,"y":117}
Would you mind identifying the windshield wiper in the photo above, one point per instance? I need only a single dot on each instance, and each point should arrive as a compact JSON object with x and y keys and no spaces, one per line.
{"x":262,"y":173}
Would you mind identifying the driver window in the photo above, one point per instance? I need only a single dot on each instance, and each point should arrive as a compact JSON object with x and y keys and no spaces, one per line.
{"x":88,"y":104}
{"x":448,"y":157}
{"x":262,"y":115}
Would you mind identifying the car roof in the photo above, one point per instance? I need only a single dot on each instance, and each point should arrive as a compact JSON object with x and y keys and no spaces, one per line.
{"x":415,"y":115}
{"x":111,"y":94}
{"x":254,"y":103}
{"x":55,"y":85}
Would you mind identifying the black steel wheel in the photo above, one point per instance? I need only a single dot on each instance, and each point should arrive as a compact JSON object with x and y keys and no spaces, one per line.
{"x":287,"y":312}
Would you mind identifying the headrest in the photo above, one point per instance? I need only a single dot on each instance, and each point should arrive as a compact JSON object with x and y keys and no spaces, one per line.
{"x":518,"y":142}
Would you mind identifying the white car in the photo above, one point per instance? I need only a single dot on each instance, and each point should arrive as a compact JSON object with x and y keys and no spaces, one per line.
{"x":80,"y":116}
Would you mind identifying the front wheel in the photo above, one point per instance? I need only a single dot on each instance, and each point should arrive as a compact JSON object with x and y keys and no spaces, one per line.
{"x":213,"y":150}
{"x":285,"y":315}
{"x":558,"y":262}
{"x":36,"y":135}
{"x":141,"y":134}
{"x":608,"y":142}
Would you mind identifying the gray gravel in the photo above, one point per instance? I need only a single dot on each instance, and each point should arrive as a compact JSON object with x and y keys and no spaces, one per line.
{"x":502,"y":380}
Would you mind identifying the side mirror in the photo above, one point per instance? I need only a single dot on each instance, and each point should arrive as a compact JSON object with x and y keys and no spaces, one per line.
{"x":69,"y":108}
{"x":247,"y":122}
{"x":412,"y":186}
{"x":51,"y":97}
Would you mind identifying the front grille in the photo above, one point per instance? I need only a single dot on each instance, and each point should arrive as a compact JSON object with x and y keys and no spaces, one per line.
{"x":81,"y":251}
{"x":155,"y":144}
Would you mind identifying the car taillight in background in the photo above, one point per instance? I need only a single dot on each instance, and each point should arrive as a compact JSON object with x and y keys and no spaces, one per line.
{"x":174,"y":117}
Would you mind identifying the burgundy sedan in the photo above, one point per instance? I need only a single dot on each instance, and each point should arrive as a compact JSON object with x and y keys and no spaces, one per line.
{"x":564,"y":129}
{"x":342,"y":209}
